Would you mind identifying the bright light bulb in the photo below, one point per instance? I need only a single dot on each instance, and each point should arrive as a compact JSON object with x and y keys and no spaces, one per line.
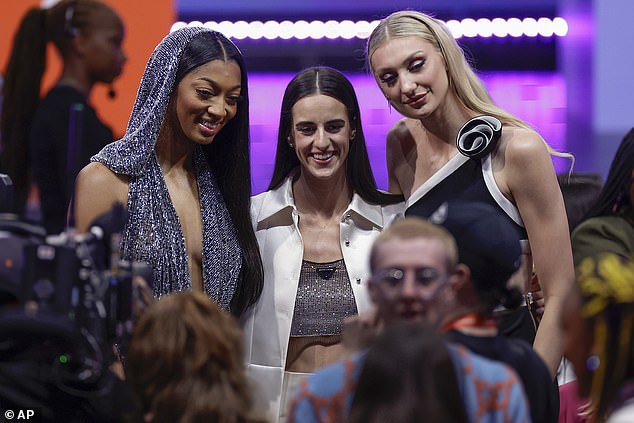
{"x":347,"y":29}
{"x":286,"y":30}
{"x":316,"y":30}
{"x":499,"y":27}
{"x":240,"y":30}
{"x":485,"y":29}
{"x":469,"y":27}
{"x":560,"y":27}
{"x":455,"y":28}
{"x":515,"y":27}
{"x":256,"y":30}
{"x":530,"y":27}
{"x":271,"y":29}
{"x":300,"y":30}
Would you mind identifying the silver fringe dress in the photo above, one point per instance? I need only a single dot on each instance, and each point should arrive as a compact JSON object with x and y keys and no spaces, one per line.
{"x":154,"y":233}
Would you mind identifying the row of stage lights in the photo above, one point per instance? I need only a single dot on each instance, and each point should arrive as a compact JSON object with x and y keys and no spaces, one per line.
{"x":271,"y":30}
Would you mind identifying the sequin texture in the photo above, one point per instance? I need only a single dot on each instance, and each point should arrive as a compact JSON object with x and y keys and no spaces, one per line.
{"x":324,"y":298}
{"x":154,"y":233}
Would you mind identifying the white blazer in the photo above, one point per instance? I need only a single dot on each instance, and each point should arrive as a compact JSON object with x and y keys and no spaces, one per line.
{"x":267,"y":325}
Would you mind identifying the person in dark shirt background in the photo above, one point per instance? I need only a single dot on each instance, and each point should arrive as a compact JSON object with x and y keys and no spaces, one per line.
{"x":469,"y":317}
{"x":36,"y":134}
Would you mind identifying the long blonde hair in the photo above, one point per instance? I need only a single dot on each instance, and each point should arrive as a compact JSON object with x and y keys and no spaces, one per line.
{"x":465,"y":84}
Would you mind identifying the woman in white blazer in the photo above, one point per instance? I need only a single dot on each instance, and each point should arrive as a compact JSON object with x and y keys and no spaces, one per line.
{"x":315,"y":226}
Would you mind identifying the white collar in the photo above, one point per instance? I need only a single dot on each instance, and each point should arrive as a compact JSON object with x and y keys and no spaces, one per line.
{"x":278,"y":200}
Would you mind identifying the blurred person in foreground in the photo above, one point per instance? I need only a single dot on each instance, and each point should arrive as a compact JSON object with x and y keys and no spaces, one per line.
{"x":468,"y":316}
{"x":185,"y":364}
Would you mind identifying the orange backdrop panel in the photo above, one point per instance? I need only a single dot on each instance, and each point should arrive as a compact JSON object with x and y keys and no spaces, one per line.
{"x":146,"y":23}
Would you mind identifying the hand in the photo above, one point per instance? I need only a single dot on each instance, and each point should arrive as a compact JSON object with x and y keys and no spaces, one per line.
{"x":359,"y":331}
{"x":538,"y":296}
{"x":117,"y":366}
{"x":142,"y":296}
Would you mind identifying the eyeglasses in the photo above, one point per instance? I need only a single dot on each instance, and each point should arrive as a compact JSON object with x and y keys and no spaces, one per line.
{"x":394,"y":277}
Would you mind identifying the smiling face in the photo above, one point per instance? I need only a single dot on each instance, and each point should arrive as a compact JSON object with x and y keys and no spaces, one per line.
{"x":321,"y":135}
{"x":207,"y":98}
{"x":411,"y":74}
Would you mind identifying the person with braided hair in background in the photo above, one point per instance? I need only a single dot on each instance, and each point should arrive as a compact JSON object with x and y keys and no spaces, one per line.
{"x":606,"y":228}
{"x":609,"y":224}
{"x":88,"y":35}
{"x":598,"y":319}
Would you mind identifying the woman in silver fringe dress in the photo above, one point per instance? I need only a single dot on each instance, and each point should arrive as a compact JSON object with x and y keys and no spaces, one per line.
{"x":182,"y":170}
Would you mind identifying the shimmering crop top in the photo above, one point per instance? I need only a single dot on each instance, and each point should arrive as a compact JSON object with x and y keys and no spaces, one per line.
{"x":324,"y":298}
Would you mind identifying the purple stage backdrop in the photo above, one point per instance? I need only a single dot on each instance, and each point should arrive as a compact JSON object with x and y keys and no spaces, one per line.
{"x":538,"y":98}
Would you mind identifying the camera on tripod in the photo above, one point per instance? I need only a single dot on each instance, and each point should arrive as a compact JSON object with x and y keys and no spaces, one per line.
{"x":74,"y":292}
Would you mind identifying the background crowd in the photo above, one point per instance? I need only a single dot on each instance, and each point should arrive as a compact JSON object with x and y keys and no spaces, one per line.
{"x":469,"y":291}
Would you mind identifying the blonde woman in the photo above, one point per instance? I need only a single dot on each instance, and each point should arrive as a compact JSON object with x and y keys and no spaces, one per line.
{"x":425,"y":76}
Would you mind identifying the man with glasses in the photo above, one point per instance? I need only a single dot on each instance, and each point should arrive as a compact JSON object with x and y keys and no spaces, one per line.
{"x":413,"y":262}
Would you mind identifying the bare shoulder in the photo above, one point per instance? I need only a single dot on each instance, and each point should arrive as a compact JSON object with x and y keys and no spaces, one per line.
{"x":403,"y":137}
{"x":96,"y":173}
{"x":97,"y":189}
{"x":521,"y":156}
{"x":401,"y":155}
{"x":400,"y":131}
{"x":522,"y":144}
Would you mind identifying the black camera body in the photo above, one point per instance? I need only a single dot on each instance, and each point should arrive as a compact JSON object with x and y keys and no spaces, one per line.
{"x":60,"y":276}
{"x":71,"y":294}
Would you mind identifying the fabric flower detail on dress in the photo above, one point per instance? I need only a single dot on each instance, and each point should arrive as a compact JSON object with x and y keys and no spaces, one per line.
{"x":478,"y":136}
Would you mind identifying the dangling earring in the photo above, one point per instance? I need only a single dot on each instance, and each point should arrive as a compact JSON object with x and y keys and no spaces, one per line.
{"x":389,"y":106}
{"x":593,"y":363}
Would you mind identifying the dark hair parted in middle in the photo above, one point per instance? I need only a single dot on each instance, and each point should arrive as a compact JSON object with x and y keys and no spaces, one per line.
{"x":330,"y":82}
{"x":228,"y":157}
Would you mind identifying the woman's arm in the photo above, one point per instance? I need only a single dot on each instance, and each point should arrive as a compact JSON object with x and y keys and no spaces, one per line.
{"x":97,"y":189}
{"x":530,"y":177}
